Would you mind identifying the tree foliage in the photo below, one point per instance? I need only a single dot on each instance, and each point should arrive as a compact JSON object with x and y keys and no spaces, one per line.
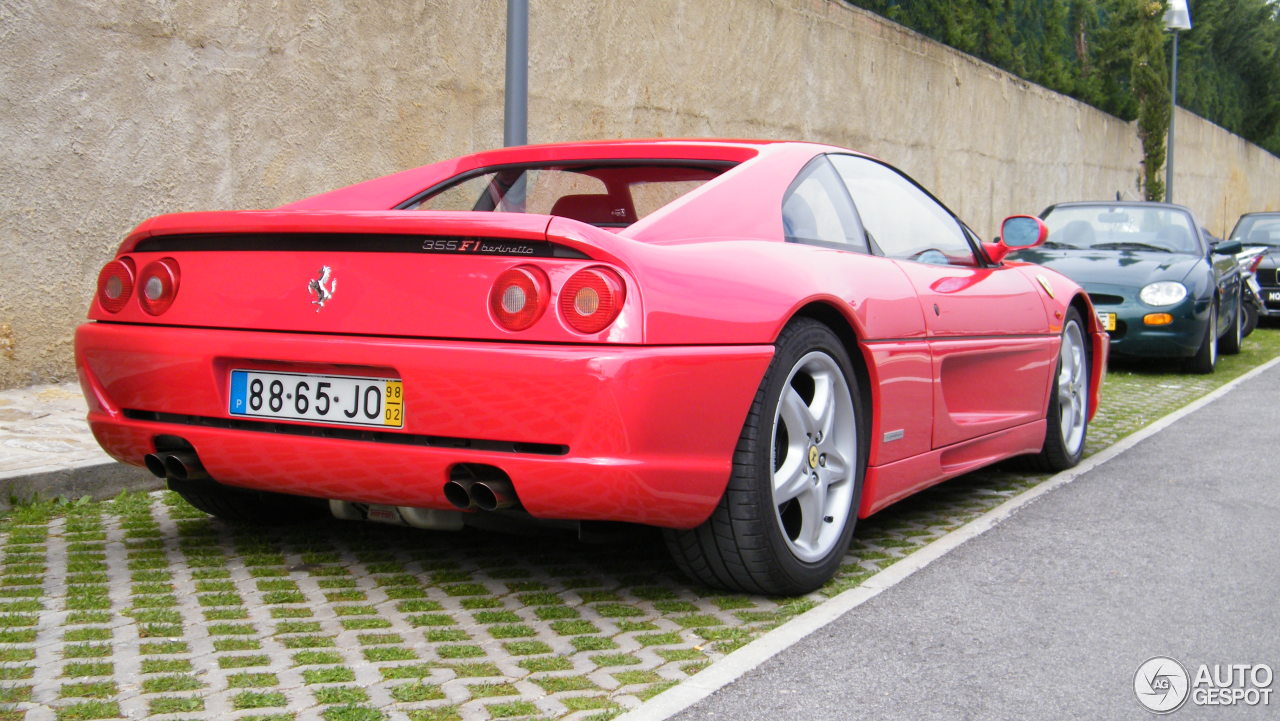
{"x":1113,"y":54}
{"x":1229,"y":67}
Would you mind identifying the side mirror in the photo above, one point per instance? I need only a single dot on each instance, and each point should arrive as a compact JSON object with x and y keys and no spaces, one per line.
{"x":1228,"y":247}
{"x":1017,"y":232}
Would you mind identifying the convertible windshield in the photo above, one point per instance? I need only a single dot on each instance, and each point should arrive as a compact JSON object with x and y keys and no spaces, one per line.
{"x":1258,"y":230}
{"x":1124,"y":227}
{"x":610,"y":195}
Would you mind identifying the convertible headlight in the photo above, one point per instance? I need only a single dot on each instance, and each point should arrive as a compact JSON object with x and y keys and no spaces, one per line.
{"x":1165,"y":292}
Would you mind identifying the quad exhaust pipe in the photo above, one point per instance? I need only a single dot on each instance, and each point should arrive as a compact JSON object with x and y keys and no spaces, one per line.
{"x":488,"y":494}
{"x":493,"y":495}
{"x":178,"y":465}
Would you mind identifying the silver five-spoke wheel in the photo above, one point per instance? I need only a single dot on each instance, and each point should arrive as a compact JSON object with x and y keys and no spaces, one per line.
{"x":1067,"y":415}
{"x":814,"y":455}
{"x":1073,"y":388}
{"x":788,"y":512}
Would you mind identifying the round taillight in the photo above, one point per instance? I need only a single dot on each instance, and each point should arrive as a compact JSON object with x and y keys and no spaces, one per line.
{"x":519,"y":296}
{"x":158,"y":285}
{"x":592,"y":299}
{"x":115,"y":284}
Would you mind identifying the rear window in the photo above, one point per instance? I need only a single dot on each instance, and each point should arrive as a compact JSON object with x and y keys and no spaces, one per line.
{"x":609,"y":195}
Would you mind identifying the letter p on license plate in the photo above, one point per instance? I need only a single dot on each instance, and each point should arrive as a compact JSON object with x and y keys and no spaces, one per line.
{"x":349,"y":400}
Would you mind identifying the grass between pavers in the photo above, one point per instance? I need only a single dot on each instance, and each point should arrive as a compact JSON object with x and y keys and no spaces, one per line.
{"x":108,"y":609}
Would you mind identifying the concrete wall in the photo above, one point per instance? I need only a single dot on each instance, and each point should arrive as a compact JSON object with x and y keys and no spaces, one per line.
{"x":112,"y":112}
{"x":1220,"y":175}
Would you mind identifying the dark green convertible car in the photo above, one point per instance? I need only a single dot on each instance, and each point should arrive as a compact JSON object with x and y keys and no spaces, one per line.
{"x":1161,"y":288}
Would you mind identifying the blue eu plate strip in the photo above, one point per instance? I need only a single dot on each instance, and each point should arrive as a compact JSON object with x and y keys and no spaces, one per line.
{"x":239,"y":394}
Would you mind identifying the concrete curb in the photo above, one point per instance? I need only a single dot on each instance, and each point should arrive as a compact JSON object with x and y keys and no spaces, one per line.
{"x":47,"y":450}
{"x":96,"y":480}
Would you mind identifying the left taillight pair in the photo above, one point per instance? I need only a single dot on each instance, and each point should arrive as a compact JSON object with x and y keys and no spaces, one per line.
{"x":157,"y":285}
{"x":589,"y":300}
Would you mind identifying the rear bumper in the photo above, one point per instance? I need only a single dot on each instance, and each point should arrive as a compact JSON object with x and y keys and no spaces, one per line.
{"x":637,"y":434}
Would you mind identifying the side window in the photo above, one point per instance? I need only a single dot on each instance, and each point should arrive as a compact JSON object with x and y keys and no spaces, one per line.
{"x":817,"y":209}
{"x":902,"y":220}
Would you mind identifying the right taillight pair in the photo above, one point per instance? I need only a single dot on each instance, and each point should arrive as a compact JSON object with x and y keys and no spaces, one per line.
{"x":158,"y":283}
{"x":589,"y":301}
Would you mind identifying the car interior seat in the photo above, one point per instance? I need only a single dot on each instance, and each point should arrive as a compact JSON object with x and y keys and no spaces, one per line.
{"x":1078,"y":233}
{"x":594,"y":209}
{"x":1174,"y":238}
{"x":798,"y":220}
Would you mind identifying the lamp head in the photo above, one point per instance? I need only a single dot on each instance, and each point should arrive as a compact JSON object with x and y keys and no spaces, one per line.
{"x":1178,"y":16}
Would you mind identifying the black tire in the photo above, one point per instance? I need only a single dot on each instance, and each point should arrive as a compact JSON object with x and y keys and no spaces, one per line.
{"x":1206,"y":358}
{"x":751,"y":543}
{"x":1250,"y":318}
{"x":1065,"y":433}
{"x":243,"y":505}
{"x":1230,"y":342}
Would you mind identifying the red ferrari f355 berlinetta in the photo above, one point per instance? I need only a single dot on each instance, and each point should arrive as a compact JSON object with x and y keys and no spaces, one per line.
{"x":747,"y":344}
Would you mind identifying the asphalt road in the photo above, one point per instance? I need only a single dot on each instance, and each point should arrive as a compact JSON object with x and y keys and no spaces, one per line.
{"x":1169,"y":549}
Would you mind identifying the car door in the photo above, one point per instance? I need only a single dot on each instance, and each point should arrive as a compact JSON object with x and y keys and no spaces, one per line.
{"x":817,"y":211}
{"x":1226,"y":276}
{"x":988,"y":330}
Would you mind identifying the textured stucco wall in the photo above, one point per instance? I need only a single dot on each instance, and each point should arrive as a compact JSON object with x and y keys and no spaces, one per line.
{"x":112,"y":112}
{"x":1220,"y":175}
{"x":986,"y":142}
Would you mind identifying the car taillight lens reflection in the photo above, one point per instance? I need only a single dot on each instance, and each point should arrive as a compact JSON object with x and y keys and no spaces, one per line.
{"x":158,"y":285}
{"x":592,"y":299}
{"x":115,"y":284}
{"x":519,"y":297}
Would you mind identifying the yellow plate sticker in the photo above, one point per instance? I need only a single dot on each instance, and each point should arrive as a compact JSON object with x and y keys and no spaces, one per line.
{"x":393,"y":406}
{"x":1108,"y":321}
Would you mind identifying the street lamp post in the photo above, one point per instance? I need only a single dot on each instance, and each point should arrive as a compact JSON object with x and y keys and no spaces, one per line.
{"x":1176,"y":18}
{"x":515,"y":122}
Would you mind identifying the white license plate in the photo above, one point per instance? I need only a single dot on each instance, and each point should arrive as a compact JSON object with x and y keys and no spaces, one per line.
{"x":349,"y":400}
{"x":1108,"y":320}
{"x":1273,"y":296}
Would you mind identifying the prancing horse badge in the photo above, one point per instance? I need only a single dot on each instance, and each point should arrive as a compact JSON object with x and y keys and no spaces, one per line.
{"x":323,"y":287}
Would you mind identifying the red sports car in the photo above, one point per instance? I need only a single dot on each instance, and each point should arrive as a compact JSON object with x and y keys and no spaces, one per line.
{"x":747,"y":344}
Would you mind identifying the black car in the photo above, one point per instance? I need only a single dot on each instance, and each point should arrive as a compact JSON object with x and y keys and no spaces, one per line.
{"x":1262,"y":230}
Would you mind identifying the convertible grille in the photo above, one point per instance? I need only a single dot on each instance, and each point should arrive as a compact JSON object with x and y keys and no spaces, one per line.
{"x":351,"y":434}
